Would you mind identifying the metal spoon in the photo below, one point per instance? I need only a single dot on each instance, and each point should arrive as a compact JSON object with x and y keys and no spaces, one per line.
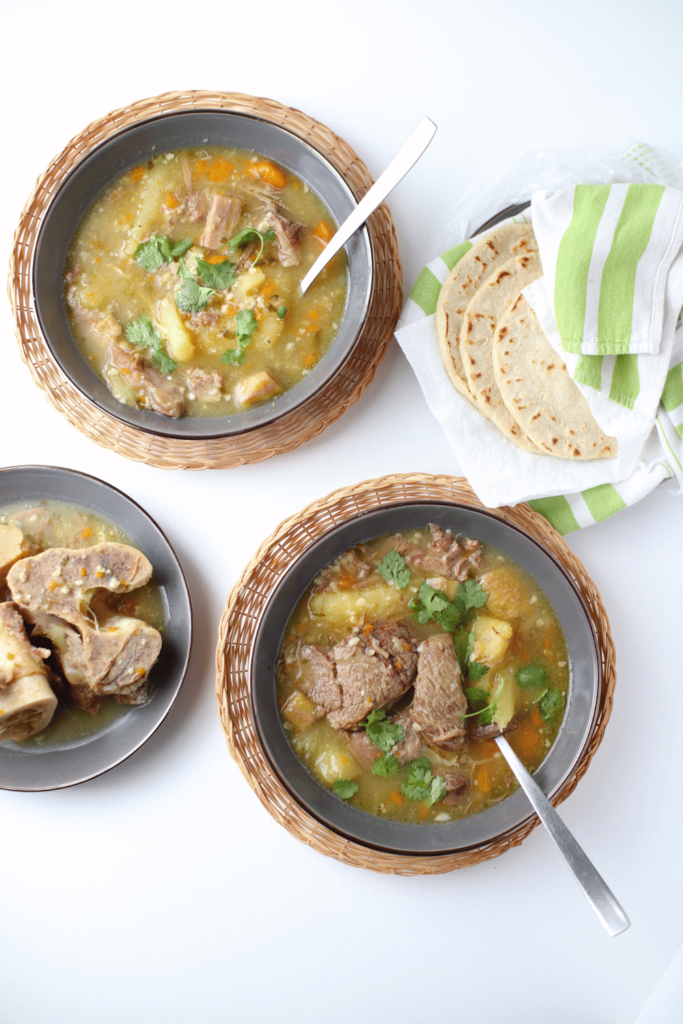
{"x":594,"y":888}
{"x":406,"y":158}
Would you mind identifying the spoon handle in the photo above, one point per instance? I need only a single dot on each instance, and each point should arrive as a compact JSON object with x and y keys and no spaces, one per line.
{"x":407,"y":157}
{"x":595,"y":889}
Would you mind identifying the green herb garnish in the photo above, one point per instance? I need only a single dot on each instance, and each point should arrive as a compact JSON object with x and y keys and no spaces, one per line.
{"x":531,"y":675}
{"x":464,"y":648}
{"x":345,"y":788}
{"x":158,"y":250}
{"x":383,"y":733}
{"x":393,"y":569}
{"x":141,"y":333}
{"x":550,"y":704}
{"x":251,"y":234}
{"x":245,"y":325}
{"x":219,"y":276}
{"x":432,"y":604}
{"x":191,"y":298}
{"x":475,"y":695}
{"x":281,"y":312}
{"x":421,"y":784}
{"x":385,"y":766}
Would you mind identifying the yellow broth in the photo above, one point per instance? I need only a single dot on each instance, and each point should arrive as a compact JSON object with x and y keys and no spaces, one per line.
{"x":50,"y":524}
{"x":537,"y":638}
{"x":106,"y":289}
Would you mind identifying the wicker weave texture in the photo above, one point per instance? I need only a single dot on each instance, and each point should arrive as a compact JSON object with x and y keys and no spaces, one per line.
{"x":239,"y":625}
{"x":291,"y":430}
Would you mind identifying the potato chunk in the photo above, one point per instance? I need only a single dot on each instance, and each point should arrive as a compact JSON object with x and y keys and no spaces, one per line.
{"x":505,"y":593}
{"x":345,"y":607}
{"x":299,"y":711}
{"x":491,"y":639}
{"x":174,"y":332}
{"x":326,"y":753}
{"x":256,"y":388}
{"x":247,"y":283}
{"x":503,"y":684}
{"x":446,"y":586}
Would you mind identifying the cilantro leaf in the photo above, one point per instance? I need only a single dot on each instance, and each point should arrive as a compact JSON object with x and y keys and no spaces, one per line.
{"x":475,"y":695}
{"x":382,"y":732}
{"x":281,"y":312}
{"x":158,"y":249}
{"x":393,"y":569}
{"x":552,"y":703}
{"x":487,"y":714}
{"x":472,"y":594}
{"x":249,"y":235}
{"x":531,"y":675}
{"x":421,"y":784}
{"x":385,"y":766}
{"x":431,"y":603}
{"x":141,"y":333}
{"x":219,"y":276}
{"x":191,"y":298}
{"x":245,"y":325}
{"x":461,"y":641}
{"x":476,"y":670}
{"x":345,"y":788}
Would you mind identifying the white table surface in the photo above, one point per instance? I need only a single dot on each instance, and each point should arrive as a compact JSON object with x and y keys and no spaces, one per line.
{"x":163,"y":891}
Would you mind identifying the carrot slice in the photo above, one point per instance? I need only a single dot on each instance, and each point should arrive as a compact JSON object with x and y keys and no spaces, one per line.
{"x":269,"y":172}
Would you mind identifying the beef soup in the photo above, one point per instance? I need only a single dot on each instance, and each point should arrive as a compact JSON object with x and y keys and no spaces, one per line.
{"x":181,"y":284}
{"x":405,"y":658}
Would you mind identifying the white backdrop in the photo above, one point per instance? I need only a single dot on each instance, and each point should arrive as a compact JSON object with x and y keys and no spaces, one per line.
{"x":163,"y":891}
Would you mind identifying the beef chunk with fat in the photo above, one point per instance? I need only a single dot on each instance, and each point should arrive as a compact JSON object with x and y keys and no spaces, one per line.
{"x":445,"y":555}
{"x":439,"y":703}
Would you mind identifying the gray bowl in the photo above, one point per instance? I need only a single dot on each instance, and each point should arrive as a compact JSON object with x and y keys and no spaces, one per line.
{"x":139,"y":143}
{"x":32,"y":767}
{"x":563,"y":757}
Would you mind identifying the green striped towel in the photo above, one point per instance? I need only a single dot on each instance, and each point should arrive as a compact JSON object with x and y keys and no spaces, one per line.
{"x":644,"y":396}
{"x":613,"y":264}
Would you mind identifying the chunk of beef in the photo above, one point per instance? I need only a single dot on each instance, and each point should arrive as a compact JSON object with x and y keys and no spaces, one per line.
{"x":154,"y":391}
{"x":372,"y":670}
{"x":27,"y":701}
{"x":317,"y":678}
{"x":439,"y":703}
{"x":456,"y":785}
{"x":207,"y":387}
{"x":412,"y":745}
{"x":488,"y":732}
{"x":445,"y":555}
{"x":18,"y":658}
{"x":288,"y":233}
{"x":221,"y":221}
{"x":362,"y":748}
{"x":348,"y":564}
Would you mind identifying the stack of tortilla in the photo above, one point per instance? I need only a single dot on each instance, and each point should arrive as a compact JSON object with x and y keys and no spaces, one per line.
{"x":497,"y":356}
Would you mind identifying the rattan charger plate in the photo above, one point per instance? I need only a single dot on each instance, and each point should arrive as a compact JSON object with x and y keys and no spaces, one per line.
{"x":239,"y":626}
{"x":289,"y":431}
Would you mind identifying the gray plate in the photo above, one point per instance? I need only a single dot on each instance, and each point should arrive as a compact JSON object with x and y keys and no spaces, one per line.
{"x":159,"y":135}
{"x":32,"y":768}
{"x":561,"y":760}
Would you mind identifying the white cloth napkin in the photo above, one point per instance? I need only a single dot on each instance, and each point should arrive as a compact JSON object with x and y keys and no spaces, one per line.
{"x":612,"y":264}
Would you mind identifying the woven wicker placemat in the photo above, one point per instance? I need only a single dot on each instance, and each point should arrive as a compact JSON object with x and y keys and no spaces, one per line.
{"x":240,"y":622}
{"x":223,"y":453}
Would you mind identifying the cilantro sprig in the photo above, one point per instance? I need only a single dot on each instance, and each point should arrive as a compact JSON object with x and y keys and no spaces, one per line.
{"x":219,"y":276}
{"x":531,"y":675}
{"x":421,"y":784}
{"x":464,"y":648}
{"x":158,"y":249}
{"x":345,"y":788}
{"x":381,"y":731}
{"x":245,"y":325}
{"x":142,"y":334}
{"x":394,"y":570}
{"x":249,"y":235}
{"x":191,"y":298}
{"x":433,"y":605}
{"x":550,"y":704}
{"x":475,"y":695}
{"x":385,"y":766}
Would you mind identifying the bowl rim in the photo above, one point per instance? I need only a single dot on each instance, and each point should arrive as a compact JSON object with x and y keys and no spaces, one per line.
{"x":178,"y":568}
{"x":404,"y":850}
{"x":218,"y":434}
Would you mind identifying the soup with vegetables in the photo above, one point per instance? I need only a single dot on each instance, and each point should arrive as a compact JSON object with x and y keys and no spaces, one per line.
{"x":405,"y":658}
{"x":80,"y":623}
{"x":181,"y":284}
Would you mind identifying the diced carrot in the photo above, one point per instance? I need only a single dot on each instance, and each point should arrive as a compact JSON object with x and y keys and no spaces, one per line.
{"x":484,"y":780}
{"x":199,"y":167}
{"x":423,"y":812}
{"x":128,"y":217}
{"x":97,"y":259}
{"x":268,"y":288}
{"x":346,"y":581}
{"x":269,"y":172}
{"x":395,"y":798}
{"x":488,"y":748}
{"x":525,"y":741}
{"x":314,"y":314}
{"x":215,"y":257}
{"x":323,"y":231}
{"x":171,"y":201}
{"x":219,"y":170}
{"x":86,"y":533}
{"x":138,"y":173}
{"x":368,"y":629}
{"x":310,"y":359}
{"x":230,"y":309}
